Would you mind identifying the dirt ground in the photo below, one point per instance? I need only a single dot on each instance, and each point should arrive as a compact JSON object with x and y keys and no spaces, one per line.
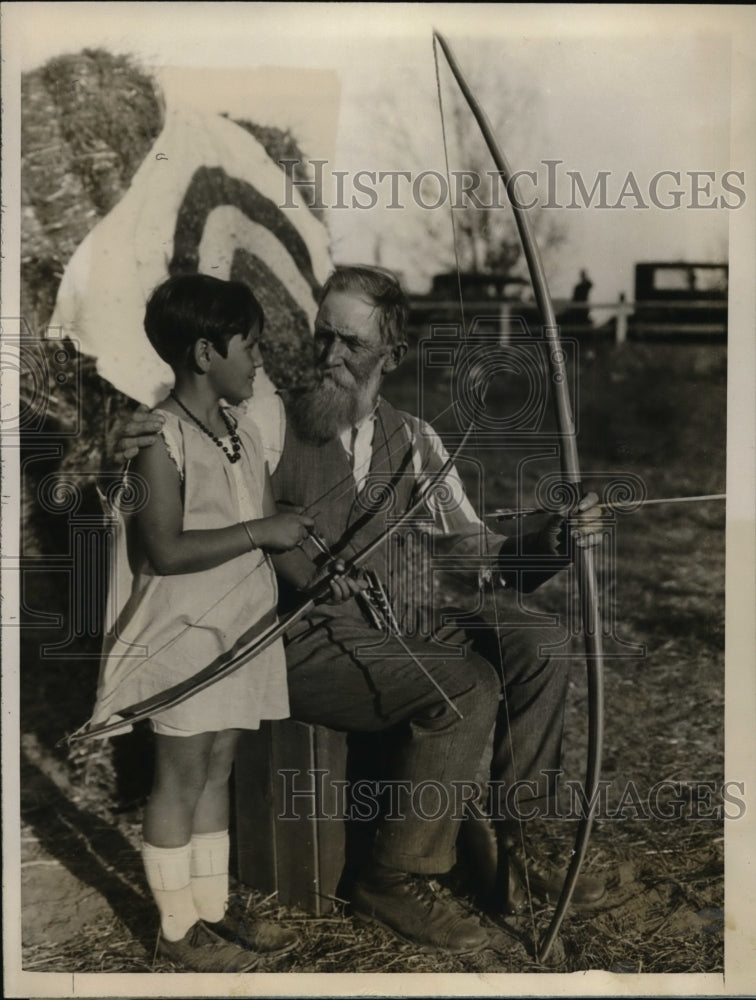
{"x":654,"y":412}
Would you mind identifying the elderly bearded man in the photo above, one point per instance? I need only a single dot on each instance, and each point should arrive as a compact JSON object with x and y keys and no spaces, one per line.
{"x":337,"y":450}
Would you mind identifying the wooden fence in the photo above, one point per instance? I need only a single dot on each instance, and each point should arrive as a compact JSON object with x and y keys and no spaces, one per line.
{"x":699,"y":319}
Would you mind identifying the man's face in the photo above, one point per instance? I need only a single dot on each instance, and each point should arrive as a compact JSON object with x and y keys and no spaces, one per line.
{"x":349,"y":349}
{"x":349,"y":363}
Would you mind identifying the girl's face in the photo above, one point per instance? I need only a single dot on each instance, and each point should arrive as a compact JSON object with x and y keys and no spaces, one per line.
{"x":233,"y":376}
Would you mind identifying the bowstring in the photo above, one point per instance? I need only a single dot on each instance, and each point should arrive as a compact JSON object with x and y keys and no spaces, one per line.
{"x":490,"y":576}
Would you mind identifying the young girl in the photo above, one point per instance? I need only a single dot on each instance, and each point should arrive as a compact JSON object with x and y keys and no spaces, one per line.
{"x":202,"y":585}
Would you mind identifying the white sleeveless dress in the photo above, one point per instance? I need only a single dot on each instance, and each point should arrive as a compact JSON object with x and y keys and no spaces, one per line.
{"x":170,"y":627}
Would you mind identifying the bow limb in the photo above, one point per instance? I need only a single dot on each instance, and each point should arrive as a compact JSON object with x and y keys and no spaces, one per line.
{"x":204,"y":678}
{"x":584,"y":561}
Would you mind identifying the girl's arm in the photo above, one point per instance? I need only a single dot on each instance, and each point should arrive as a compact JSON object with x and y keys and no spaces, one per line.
{"x":269,"y":501}
{"x":172,"y":550}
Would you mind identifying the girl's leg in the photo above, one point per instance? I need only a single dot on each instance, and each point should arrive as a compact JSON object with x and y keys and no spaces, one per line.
{"x":210,"y":844}
{"x":211,"y":810}
{"x":209,"y":862}
{"x":180,"y":772}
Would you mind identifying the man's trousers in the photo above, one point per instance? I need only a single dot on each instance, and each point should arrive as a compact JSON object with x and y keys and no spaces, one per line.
{"x":344,"y":674}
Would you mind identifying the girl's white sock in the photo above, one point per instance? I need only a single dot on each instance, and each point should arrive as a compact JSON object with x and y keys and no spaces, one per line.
{"x":209,"y":869}
{"x":169,"y":877}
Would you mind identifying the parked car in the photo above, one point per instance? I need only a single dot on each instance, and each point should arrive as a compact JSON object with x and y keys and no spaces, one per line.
{"x":679,"y":300}
{"x":481,"y":294}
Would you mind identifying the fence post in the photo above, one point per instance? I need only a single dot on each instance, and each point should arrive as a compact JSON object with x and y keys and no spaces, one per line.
{"x":622,"y":314}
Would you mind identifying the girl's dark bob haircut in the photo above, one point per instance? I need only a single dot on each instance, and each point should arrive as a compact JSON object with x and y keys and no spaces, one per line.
{"x":191,"y":307}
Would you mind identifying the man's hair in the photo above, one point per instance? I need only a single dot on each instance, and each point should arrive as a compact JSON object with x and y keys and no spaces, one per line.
{"x":190,"y":307}
{"x":382,"y":287}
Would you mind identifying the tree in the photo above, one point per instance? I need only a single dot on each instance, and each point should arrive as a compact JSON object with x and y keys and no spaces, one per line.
{"x":474,"y":227}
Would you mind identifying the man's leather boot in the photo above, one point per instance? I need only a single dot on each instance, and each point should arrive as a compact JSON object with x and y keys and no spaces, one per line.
{"x":412,"y":906}
{"x":493,"y":880}
{"x":531,"y":873}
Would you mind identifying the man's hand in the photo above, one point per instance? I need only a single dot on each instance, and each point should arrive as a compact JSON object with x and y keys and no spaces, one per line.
{"x":134,"y":431}
{"x":584,"y":526}
{"x":552,"y":541}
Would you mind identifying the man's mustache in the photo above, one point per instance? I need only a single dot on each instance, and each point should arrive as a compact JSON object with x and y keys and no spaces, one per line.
{"x":312,"y":380}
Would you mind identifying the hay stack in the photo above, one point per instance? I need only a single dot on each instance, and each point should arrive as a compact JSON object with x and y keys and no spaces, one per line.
{"x":87,"y":122}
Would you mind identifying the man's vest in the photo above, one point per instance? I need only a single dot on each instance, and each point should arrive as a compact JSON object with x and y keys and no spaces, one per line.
{"x":319,"y":478}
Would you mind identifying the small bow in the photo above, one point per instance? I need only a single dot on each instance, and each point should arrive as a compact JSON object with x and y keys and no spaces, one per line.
{"x":228,"y":664}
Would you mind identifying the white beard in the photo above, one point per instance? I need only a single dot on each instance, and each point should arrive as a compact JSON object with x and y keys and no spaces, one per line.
{"x":322,"y":411}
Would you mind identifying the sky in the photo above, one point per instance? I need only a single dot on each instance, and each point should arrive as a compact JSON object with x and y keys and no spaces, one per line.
{"x":632,"y":91}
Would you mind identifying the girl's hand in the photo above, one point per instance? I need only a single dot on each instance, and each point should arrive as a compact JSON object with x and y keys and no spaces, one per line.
{"x":280,"y":532}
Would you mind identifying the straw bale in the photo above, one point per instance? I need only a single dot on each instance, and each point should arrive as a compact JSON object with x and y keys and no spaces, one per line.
{"x":87,"y":122}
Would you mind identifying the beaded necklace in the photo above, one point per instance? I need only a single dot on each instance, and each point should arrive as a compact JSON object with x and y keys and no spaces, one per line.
{"x":235,"y":440}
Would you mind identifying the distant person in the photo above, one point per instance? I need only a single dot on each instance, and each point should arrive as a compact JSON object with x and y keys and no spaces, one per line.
{"x":202,"y":582}
{"x":582,"y":290}
{"x":577,"y":318}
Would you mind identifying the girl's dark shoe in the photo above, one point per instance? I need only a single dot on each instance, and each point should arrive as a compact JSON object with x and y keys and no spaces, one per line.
{"x":201,"y":950}
{"x":262,"y":936}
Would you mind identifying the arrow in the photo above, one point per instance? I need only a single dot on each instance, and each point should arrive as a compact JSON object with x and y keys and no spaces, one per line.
{"x":509,"y":513}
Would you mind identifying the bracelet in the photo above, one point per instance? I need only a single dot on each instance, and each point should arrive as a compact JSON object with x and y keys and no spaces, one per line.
{"x":250,"y":536}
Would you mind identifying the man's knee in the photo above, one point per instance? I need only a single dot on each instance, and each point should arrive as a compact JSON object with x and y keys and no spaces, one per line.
{"x":527,"y":654}
{"x":487,"y":680}
{"x":483,"y":691}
